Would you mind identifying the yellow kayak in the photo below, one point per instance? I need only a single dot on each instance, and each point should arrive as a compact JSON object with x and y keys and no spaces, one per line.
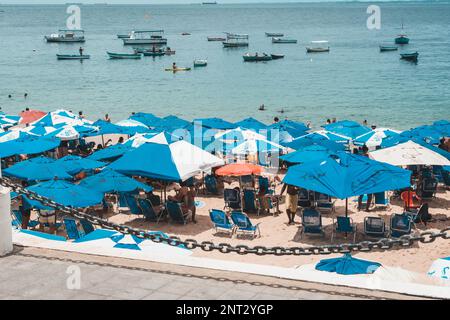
{"x":177,"y":69}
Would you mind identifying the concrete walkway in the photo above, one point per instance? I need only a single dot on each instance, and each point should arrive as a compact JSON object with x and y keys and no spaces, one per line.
{"x":32,"y":273}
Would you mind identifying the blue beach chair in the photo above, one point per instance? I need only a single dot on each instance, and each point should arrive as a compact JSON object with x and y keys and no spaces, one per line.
{"x":311,"y":222}
{"x":249,"y":201}
{"x":72,"y":230}
{"x":221,"y":222}
{"x":87,"y":226}
{"x":232,"y":199}
{"x":381,"y":199}
{"x":428,"y":188}
{"x":304,"y":200}
{"x":374,"y":227}
{"x":176,"y":214}
{"x":400,"y":225}
{"x":211,"y":184}
{"x":244,"y":225}
{"x":17,"y":220}
{"x":343,"y":225}
{"x":324,"y":203}
{"x":147,"y":210}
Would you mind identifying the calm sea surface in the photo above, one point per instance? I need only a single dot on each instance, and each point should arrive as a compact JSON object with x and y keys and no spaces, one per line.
{"x":354,"y":81}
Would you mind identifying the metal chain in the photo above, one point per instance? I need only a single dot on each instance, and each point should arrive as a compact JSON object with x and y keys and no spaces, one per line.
{"x":383,"y":244}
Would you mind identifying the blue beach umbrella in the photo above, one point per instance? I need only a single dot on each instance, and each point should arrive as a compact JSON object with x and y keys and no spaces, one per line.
{"x":58,"y":118}
{"x":132,"y":127}
{"x":8,"y":120}
{"x":146,"y":118}
{"x":315,"y":139}
{"x":110,"y":153}
{"x":307,"y":154}
{"x":68,"y":194}
{"x":347,"y":128}
{"x":251,"y":123}
{"x":37,"y":169}
{"x":347,"y":265}
{"x":442,"y":126}
{"x":375,"y":137}
{"x":110,"y":181}
{"x":285,"y":131}
{"x":105,"y":127}
{"x":215,"y":123}
{"x":75,"y":164}
{"x":170,"y":123}
{"x":28,"y":144}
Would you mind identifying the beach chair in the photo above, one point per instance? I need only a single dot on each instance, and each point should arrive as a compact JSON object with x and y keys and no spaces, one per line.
{"x":446,"y":177}
{"x":343,"y":225}
{"x":304,"y":198}
{"x":374,"y":227}
{"x":324,"y":203}
{"x":176,"y":213}
{"x":17,"y":220}
{"x":311,"y":222}
{"x":232,"y":199}
{"x":147,"y":210}
{"x":410,"y":200}
{"x":249,"y":201}
{"x":422,"y":215}
{"x":246,"y":181}
{"x":72,"y":230}
{"x":244,"y":225}
{"x":400,"y":225}
{"x":263,"y":183}
{"x":211,"y":184}
{"x":381,"y":199}
{"x":221,"y":222}
{"x":87,"y":226}
{"x":428,"y":188}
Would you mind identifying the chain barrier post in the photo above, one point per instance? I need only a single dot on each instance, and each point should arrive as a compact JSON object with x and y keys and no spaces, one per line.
{"x":6,"y":245}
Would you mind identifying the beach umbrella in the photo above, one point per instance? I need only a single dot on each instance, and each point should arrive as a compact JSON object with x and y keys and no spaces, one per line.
{"x":38,"y":130}
{"x":170,"y":123}
{"x":37,"y":169}
{"x":442,"y":126}
{"x":314,"y":138}
{"x":347,"y":265}
{"x":60,"y":117}
{"x":13,"y":135}
{"x":132,"y":127}
{"x":105,"y":127}
{"x":440,"y":269}
{"x":66,"y":133}
{"x":347,"y":128}
{"x":239,"y":134}
{"x":289,"y":124}
{"x":177,"y":161}
{"x":8,"y":120}
{"x":68,"y":194}
{"x":393,"y":141}
{"x":307,"y":154}
{"x":286,"y":131}
{"x":375,"y":137}
{"x":214,"y":123}
{"x":253,"y":146}
{"x":156,"y":137}
{"x":28,"y":144}
{"x":346,"y":175}
{"x":196,"y":134}
{"x":426,"y":133}
{"x":110,"y":181}
{"x":75,"y":164}
{"x":239,"y":169}
{"x":251,"y":123}
{"x":147,"y":119}
{"x":110,"y":153}
{"x":409,"y":153}
{"x":31,"y":116}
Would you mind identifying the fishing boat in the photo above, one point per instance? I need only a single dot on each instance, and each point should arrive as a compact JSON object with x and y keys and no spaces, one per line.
{"x":65,"y":35}
{"x":113,"y":55}
{"x":209,"y":2}
{"x":255,"y":57}
{"x":145,"y":37}
{"x":177,"y":69}
{"x":274,"y":34}
{"x":150,"y":53}
{"x":283,"y":40}
{"x":410,"y":56}
{"x":318,"y":46}
{"x":388,"y":48}
{"x":200,"y":63}
{"x":72,"y":57}
{"x":185,"y":34}
{"x":235,"y":40}
{"x":277,"y":56}
{"x":402,"y":38}
{"x":221,"y":39}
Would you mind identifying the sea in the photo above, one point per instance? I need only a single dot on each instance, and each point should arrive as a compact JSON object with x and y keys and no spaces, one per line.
{"x":353,"y":81}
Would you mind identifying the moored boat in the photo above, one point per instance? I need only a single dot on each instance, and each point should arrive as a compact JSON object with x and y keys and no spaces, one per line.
{"x":113,"y":55}
{"x":72,"y":57}
{"x":150,"y":53}
{"x":283,"y":40}
{"x":402,"y":38}
{"x":145,"y":37}
{"x":388,"y":48}
{"x":318,"y":46}
{"x":216,"y":39}
{"x":66,"y":36}
{"x":178,"y":69}
{"x":255,"y":57}
{"x":274,"y":34}
{"x":123,"y":36}
{"x":200,"y":63}
{"x":277,"y":56}
{"x":411,"y":56}
{"x":235,"y":40}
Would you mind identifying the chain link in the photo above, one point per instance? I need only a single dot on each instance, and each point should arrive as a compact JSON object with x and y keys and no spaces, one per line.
{"x":383,"y":244}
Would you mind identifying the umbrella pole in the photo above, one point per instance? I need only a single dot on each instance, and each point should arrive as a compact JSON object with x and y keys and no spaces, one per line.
{"x":346,"y":207}
{"x":103,"y":142}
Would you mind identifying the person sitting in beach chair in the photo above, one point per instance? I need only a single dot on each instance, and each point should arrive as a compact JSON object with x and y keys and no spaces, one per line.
{"x":150,"y":212}
{"x":343,"y":225}
{"x":177,"y":214}
{"x":249,"y":201}
{"x":410,"y":200}
{"x":244,"y":225}
{"x":221,"y":221}
{"x":311,"y":222}
{"x":185,"y":196}
{"x":400,"y":225}
{"x":232,"y":198}
{"x":374,"y":227}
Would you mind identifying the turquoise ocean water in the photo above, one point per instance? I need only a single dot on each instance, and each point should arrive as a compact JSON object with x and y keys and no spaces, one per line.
{"x":354,"y":81}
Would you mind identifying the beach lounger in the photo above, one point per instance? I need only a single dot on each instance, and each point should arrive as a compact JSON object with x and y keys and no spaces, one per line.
{"x":304,"y":198}
{"x":343,"y":225}
{"x":147,"y":210}
{"x":263,"y":183}
{"x":221,"y":222}
{"x":244,"y":225}
{"x":176,"y":213}
{"x":232,"y":199}
{"x":211,"y":184}
{"x":17,"y":220}
{"x":400,"y":225}
{"x":374,"y":227}
{"x":249,"y":201}
{"x":410,"y":200}
{"x":72,"y":229}
{"x":311,"y":222}
{"x":324,"y":203}
{"x":428,"y":188}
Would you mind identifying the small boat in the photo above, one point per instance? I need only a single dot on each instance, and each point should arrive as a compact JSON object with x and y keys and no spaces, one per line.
{"x":177,"y":69}
{"x":274,"y":34}
{"x":283,"y":40}
{"x":113,"y":55}
{"x":209,"y":3}
{"x":200,"y":63}
{"x":402,"y":38}
{"x":185,"y":34}
{"x":388,"y":48}
{"x":72,"y":57}
{"x":123,"y":36}
{"x":410,"y":56}
{"x":318,"y":46}
{"x":277,"y":56}
{"x":235,"y":40}
{"x":65,"y":35}
{"x":150,"y":53}
{"x":255,"y":57}
{"x":139,"y":37}
{"x":216,"y":39}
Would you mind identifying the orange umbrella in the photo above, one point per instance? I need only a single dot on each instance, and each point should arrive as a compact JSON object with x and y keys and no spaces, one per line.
{"x":239,"y":169}
{"x":31,"y":116}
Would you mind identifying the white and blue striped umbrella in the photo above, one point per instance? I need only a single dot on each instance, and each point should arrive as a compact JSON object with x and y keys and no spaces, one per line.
{"x":8,"y":120}
{"x":375,"y":137}
{"x":440,"y":269}
{"x":61,"y":118}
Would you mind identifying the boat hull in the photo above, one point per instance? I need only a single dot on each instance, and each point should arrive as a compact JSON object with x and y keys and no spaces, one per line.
{"x":256,"y":58}
{"x":153,"y":54}
{"x":113,"y":55}
{"x":388,"y":48}
{"x":270,"y":34}
{"x":234,"y":44}
{"x":65,"y":40}
{"x":277,"y":56}
{"x":401,"y":40}
{"x":317,"y":50}
{"x":72,"y":57}
{"x":409,"y":56}
{"x":276,"y":40}
{"x":216,"y":39}
{"x":156,"y":41}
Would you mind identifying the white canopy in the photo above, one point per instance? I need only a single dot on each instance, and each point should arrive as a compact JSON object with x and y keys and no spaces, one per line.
{"x":409,"y":153}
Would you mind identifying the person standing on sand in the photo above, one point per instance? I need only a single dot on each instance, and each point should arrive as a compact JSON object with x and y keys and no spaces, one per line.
{"x":291,"y":201}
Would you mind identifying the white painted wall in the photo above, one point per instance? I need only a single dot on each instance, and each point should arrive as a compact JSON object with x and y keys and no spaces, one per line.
{"x":6,"y":245}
